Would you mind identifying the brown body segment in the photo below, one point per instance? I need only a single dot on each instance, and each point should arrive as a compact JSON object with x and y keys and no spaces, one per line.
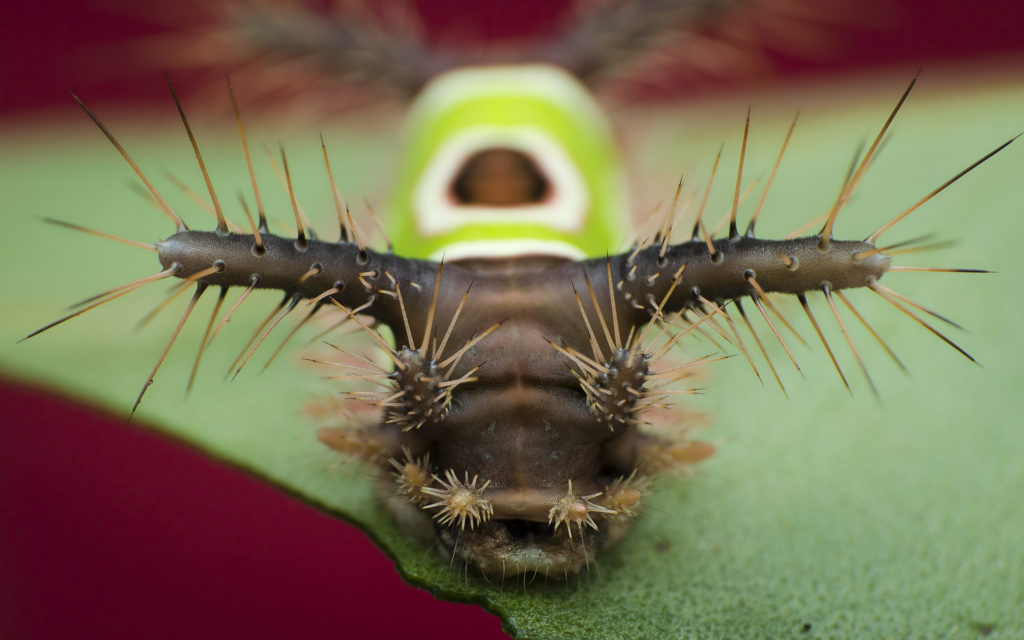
{"x":522,"y":447}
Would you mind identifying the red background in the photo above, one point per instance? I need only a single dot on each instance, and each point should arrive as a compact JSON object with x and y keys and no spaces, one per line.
{"x":159,"y":542}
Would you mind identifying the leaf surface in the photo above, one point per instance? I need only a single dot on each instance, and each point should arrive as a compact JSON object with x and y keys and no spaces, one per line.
{"x":823,"y":515}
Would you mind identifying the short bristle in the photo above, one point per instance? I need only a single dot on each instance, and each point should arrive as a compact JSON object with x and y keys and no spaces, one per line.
{"x":206,"y":335}
{"x":339,"y":207}
{"x":248,"y":160}
{"x":164,"y":206}
{"x":698,"y":225}
{"x":771,"y":178}
{"x":821,"y":336}
{"x":460,"y":502}
{"x":763,"y":297}
{"x":885,"y":296}
{"x":900,"y":296}
{"x":574,"y":509}
{"x":181,"y":288}
{"x":760,"y":346}
{"x":110,"y":295}
{"x":255,"y":334}
{"x":849,"y":340}
{"x":200,"y":288}
{"x":256,"y":234}
{"x":758,"y":303}
{"x":300,"y":230}
{"x":888,"y":225}
{"x":102,"y":234}
{"x":664,"y":233}
{"x":241,"y":298}
{"x":844,"y":196}
{"x":733,"y":230}
{"x":871,"y":330}
{"x":282,"y":313}
{"x":742,"y":345}
{"x":222,"y":225}
{"x":291,"y":334}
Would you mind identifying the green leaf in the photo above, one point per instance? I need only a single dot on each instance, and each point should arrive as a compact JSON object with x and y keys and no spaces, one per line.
{"x":823,"y":515}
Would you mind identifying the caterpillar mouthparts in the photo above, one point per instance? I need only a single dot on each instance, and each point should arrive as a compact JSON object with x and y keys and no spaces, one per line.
{"x":511,"y":428}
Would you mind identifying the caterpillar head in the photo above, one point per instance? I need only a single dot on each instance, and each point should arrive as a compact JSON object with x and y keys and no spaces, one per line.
{"x":506,"y":161}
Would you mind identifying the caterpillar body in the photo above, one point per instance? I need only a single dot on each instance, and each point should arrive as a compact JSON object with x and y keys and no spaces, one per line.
{"x":511,"y":426}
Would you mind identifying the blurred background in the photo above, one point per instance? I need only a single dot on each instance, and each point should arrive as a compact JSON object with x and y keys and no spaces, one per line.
{"x":155,"y":540}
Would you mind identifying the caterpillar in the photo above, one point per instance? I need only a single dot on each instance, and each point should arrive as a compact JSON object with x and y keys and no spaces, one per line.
{"x":524,"y":350}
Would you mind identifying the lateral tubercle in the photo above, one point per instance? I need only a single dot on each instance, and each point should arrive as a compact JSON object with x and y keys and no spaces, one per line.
{"x":307,"y":270}
{"x":780,"y":266}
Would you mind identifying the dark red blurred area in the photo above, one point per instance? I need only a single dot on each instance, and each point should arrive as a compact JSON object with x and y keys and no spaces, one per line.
{"x":107,"y":530}
{"x":110,"y":531}
{"x":49,"y":45}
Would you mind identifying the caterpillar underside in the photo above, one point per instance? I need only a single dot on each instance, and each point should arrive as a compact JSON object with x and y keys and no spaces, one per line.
{"x":511,"y":424}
